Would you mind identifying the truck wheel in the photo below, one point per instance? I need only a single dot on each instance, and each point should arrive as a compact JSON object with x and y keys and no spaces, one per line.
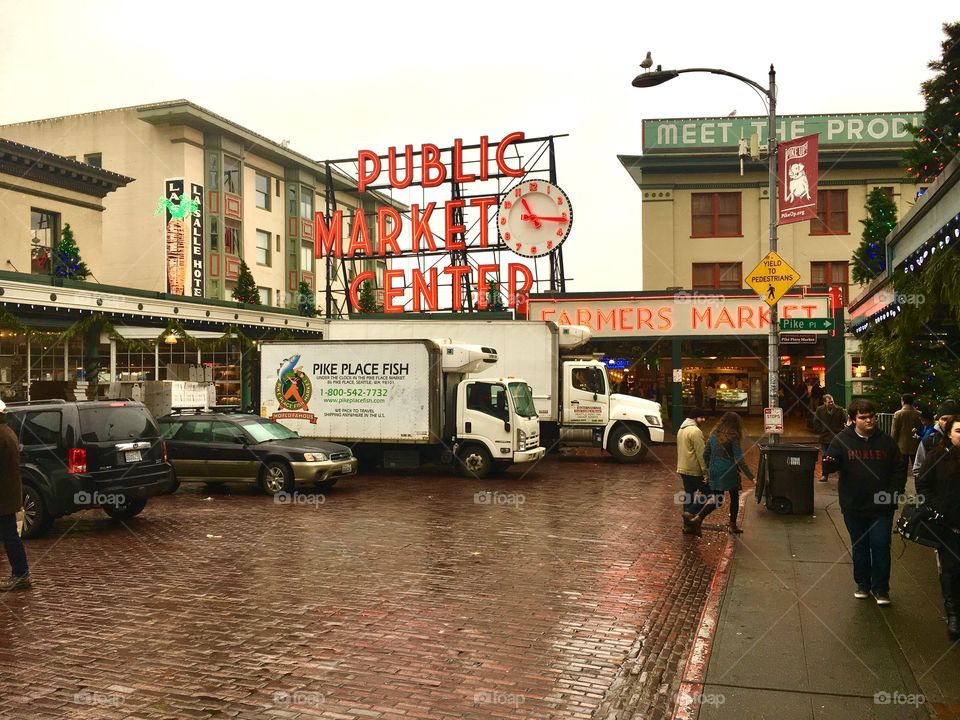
{"x":35,"y":517}
{"x":277,"y":477}
{"x":126,"y":510}
{"x":627,"y":445}
{"x":474,"y":461}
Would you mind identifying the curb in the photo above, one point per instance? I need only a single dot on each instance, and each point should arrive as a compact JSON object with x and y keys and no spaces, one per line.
{"x":695,"y":670}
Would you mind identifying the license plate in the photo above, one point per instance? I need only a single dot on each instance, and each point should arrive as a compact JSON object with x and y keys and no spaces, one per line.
{"x":346,"y":470}
{"x":133,"y":456}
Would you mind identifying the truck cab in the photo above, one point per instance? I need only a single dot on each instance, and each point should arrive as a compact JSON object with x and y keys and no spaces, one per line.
{"x":593,"y":415}
{"x":497,"y":426}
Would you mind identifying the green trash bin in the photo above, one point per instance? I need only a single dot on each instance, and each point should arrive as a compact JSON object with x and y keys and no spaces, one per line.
{"x":785,"y":477}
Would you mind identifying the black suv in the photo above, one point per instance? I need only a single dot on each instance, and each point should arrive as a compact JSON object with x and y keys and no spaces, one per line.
{"x":77,"y":455}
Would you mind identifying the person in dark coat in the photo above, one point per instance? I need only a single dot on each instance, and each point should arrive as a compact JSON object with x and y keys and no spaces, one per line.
{"x":828,"y":420}
{"x":11,"y":500}
{"x":939,"y":485}
{"x":872,"y":478}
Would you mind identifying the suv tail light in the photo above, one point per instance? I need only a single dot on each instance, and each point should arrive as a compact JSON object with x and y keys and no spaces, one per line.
{"x":77,"y":460}
{"x":165,"y":456}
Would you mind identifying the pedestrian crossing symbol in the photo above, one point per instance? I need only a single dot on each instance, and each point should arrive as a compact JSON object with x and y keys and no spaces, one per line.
{"x":772,"y":278}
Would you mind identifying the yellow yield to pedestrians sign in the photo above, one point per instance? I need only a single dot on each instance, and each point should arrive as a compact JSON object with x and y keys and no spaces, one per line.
{"x":772,"y":278}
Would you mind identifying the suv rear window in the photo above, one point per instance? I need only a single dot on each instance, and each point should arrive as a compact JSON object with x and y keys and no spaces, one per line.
{"x":105,"y":423}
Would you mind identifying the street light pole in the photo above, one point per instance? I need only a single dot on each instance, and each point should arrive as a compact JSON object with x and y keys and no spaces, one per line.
{"x":657,"y":77}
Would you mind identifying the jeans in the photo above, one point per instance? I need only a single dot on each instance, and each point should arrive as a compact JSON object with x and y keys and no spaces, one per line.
{"x":716,"y":501}
{"x":823,"y":451}
{"x":949,"y":556}
{"x":696,"y":490}
{"x":14,"y":546}
{"x":870,"y":537}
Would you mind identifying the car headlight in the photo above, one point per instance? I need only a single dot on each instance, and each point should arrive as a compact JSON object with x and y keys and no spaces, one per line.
{"x":315,"y":457}
{"x":653,"y":420}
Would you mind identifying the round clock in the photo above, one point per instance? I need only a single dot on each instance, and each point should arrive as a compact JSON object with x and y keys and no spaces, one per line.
{"x":534,"y":218}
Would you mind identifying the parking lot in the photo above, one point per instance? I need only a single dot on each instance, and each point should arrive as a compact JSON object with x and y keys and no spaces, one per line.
{"x":540,"y":595}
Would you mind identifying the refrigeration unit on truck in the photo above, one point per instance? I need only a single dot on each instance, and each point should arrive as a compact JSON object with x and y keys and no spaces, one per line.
{"x":575,"y":401}
{"x":402,"y":403}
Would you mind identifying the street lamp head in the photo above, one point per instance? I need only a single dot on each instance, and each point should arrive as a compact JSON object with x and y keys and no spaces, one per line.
{"x":650,"y":79}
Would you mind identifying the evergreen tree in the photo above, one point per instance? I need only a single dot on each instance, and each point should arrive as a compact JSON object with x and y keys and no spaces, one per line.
{"x":66,"y":257}
{"x":246,"y":290}
{"x":870,"y":257}
{"x":938,"y":139}
{"x":307,"y":304}
{"x":494,"y":301}
{"x":368,"y":299}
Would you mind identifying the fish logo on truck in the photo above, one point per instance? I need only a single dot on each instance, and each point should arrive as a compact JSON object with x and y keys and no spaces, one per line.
{"x":293,"y":391}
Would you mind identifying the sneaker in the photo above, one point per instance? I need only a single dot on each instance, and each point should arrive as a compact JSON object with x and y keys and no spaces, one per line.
{"x":882,"y":598}
{"x":15,"y":583}
{"x":823,"y":479}
{"x":862,"y":593}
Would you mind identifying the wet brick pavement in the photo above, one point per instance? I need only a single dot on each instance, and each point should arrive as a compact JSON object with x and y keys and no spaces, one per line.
{"x":397,"y":598}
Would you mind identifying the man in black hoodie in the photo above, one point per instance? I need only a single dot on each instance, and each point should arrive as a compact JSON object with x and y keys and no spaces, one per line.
{"x":872,"y":478}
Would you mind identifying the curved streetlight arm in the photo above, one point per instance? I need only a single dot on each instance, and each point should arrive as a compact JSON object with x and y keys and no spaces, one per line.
{"x":717,"y":71}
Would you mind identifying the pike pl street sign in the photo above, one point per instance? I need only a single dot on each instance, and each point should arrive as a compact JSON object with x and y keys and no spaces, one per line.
{"x":806,"y":324}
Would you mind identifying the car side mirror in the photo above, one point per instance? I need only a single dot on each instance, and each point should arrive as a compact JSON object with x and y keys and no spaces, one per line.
{"x":240,"y":439}
{"x":506,"y":425}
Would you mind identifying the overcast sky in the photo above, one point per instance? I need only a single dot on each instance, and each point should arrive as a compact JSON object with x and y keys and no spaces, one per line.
{"x":335,"y":77}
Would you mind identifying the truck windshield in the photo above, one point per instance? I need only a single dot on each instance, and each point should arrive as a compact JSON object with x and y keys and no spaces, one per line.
{"x":522,"y":399}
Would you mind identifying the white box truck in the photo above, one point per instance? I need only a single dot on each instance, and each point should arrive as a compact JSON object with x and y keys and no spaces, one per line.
{"x":576,"y":405}
{"x":402,"y":403}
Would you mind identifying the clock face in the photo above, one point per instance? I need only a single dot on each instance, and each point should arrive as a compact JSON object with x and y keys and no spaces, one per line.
{"x":534,"y":218}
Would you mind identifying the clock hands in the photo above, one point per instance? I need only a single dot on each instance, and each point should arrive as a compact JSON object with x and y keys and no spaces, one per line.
{"x":530,"y":216}
{"x":561,"y":218}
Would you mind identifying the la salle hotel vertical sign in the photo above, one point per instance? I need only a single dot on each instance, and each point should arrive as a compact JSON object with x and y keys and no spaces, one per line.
{"x":184,"y":260}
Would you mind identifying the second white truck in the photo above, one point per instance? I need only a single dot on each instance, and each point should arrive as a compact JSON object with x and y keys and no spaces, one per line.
{"x":402,"y":403}
{"x":575,"y":402}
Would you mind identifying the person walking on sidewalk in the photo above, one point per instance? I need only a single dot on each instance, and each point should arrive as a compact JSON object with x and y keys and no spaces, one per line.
{"x":828,"y":420}
{"x":872,"y":478}
{"x":948,"y":409}
{"x":692,"y":468}
{"x":939,"y":484}
{"x":11,"y":500}
{"x":906,"y":422}
{"x":725,"y":461}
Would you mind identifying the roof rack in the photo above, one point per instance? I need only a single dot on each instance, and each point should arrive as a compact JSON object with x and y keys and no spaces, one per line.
{"x":57,"y":401}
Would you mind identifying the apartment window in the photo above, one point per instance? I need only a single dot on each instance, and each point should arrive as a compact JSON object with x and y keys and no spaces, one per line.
{"x":717,"y":276}
{"x":214,"y":163}
{"x":231,"y":238}
{"x":835,"y":273}
{"x":263,"y":248}
{"x":292,"y":200}
{"x":306,"y":203}
{"x":306,"y":256}
{"x":263,"y":191}
{"x":231,"y":175}
{"x":45,"y":232}
{"x":715,"y":214}
{"x":214,"y":233}
{"x":831,"y":213}
{"x":265,"y":295}
{"x":95,"y":159}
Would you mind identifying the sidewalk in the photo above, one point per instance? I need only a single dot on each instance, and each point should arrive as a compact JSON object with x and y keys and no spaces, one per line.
{"x":792,"y":642}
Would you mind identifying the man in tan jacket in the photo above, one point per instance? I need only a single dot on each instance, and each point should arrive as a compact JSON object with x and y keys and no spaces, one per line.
{"x":692,"y":468}
{"x":906,"y":423}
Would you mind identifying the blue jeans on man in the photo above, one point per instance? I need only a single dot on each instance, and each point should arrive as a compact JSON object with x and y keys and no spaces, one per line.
{"x":696,"y":492}
{"x":870,"y":540}
{"x":14,"y":546}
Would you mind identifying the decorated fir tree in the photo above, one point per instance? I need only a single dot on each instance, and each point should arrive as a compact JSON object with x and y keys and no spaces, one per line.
{"x":938,"y":138}
{"x":66,"y":257}
{"x":246,"y":290}
{"x":306,"y":304}
{"x":494,"y":301}
{"x":368,"y":299}
{"x":870,"y":257}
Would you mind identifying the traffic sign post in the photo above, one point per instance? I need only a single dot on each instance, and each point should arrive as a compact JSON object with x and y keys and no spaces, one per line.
{"x":807,"y":324}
